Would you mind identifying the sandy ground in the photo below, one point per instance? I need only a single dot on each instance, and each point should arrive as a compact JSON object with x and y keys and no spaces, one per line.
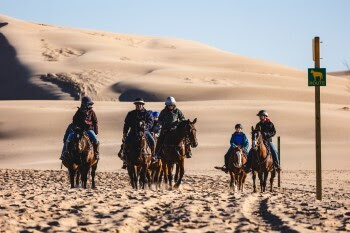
{"x":33,"y":200}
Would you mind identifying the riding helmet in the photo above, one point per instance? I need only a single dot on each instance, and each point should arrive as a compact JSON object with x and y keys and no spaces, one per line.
{"x":170,"y":101}
{"x":155,"y":114}
{"x":238,"y":126}
{"x":86,"y":100}
{"x":262,"y":113}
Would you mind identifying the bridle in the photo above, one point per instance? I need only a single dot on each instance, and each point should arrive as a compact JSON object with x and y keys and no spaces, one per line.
{"x":190,"y":132}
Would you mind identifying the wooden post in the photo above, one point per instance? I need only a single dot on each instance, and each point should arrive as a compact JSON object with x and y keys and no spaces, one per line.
{"x":318,"y":123}
{"x":279,"y":158}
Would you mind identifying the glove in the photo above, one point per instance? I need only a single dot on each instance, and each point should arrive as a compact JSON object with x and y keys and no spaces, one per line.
{"x":124,"y":136}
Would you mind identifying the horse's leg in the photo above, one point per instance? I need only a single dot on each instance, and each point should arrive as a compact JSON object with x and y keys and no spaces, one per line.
{"x":244,"y":176}
{"x":273,"y":174}
{"x":149,"y":178}
{"x":93,"y":173}
{"x":239,"y":179}
{"x":71,"y":177}
{"x":83,"y":177}
{"x":260,"y":175}
{"x":232,"y":180}
{"x":170,"y":175}
{"x":135,"y":176}
{"x":77,"y":178}
{"x":266,"y":175}
{"x":176,"y":177}
{"x":166,"y":173}
{"x":131,"y":176}
{"x":181,"y":166}
{"x":144,"y":175}
{"x":254,"y":181}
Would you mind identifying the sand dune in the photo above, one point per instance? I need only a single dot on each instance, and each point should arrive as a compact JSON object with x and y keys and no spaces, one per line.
{"x":64,"y":63}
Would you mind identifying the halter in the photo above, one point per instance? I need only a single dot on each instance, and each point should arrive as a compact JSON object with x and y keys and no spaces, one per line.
{"x":190,"y":132}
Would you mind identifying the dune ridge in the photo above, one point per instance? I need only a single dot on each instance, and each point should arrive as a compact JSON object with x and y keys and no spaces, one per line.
{"x":66,"y":63}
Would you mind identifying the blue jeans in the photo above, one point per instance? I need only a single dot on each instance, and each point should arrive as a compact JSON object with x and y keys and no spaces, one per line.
{"x":91,"y":133}
{"x":273,"y":153}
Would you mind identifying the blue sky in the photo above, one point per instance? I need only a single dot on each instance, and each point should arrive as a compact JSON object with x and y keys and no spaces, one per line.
{"x":278,"y":31}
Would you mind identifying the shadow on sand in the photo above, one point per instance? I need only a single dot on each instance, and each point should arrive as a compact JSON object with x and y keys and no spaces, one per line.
{"x":15,"y":77}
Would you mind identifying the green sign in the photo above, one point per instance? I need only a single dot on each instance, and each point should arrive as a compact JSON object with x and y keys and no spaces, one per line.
{"x":317,"y":77}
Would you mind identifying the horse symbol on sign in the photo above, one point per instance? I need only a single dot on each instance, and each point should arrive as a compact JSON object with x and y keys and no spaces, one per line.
{"x":316,"y":74}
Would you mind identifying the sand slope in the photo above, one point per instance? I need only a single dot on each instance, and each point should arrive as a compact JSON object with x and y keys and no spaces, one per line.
{"x":109,"y":66}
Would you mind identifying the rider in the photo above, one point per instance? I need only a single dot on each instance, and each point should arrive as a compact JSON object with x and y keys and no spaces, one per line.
{"x":132,"y":119}
{"x":86,"y":119}
{"x":155,"y":129}
{"x":168,"y":119}
{"x":267,"y":131}
{"x":238,"y":138}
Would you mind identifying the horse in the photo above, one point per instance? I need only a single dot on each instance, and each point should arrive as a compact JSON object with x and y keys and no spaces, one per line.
{"x":80,"y":159}
{"x":138,"y":157}
{"x":173,"y":150}
{"x":235,"y":168}
{"x":155,"y":171}
{"x":262,"y":162}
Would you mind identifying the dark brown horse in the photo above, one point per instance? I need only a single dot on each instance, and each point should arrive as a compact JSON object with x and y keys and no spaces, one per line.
{"x":138,"y":156}
{"x":155,"y":171}
{"x":81,"y":158}
{"x":235,"y":168}
{"x":173,"y":150}
{"x":262,"y":162}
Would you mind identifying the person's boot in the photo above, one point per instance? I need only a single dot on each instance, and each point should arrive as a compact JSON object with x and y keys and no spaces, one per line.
{"x":188,"y":152}
{"x":247,"y":167}
{"x":277,"y":166}
{"x":121,"y":151}
{"x":65,"y":153}
{"x":97,"y":151}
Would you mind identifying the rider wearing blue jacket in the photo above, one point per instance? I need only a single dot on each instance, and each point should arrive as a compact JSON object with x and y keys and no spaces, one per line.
{"x":238,"y":138}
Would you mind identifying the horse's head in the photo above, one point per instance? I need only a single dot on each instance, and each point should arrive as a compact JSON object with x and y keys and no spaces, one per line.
{"x":79,"y":139}
{"x":141,"y":128}
{"x":191,"y":132}
{"x":256,"y":137}
{"x":237,"y":156}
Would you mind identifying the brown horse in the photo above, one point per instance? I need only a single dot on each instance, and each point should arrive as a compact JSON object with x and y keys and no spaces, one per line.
{"x":262,"y":162}
{"x":81,"y":158}
{"x":235,"y":168}
{"x":155,"y":171}
{"x":138,"y":157}
{"x":173,"y":150}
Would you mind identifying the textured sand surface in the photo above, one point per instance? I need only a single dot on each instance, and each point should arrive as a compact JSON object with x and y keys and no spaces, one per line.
{"x":35,"y":200}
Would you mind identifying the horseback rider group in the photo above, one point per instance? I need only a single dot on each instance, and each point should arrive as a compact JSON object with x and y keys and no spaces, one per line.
{"x":239,"y":139}
{"x":160,"y":124}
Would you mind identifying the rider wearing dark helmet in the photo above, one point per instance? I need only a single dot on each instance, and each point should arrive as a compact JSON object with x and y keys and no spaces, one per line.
{"x":86,"y":119}
{"x":238,"y":138}
{"x":168,"y":119}
{"x":267,"y":131}
{"x":130,"y":125}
